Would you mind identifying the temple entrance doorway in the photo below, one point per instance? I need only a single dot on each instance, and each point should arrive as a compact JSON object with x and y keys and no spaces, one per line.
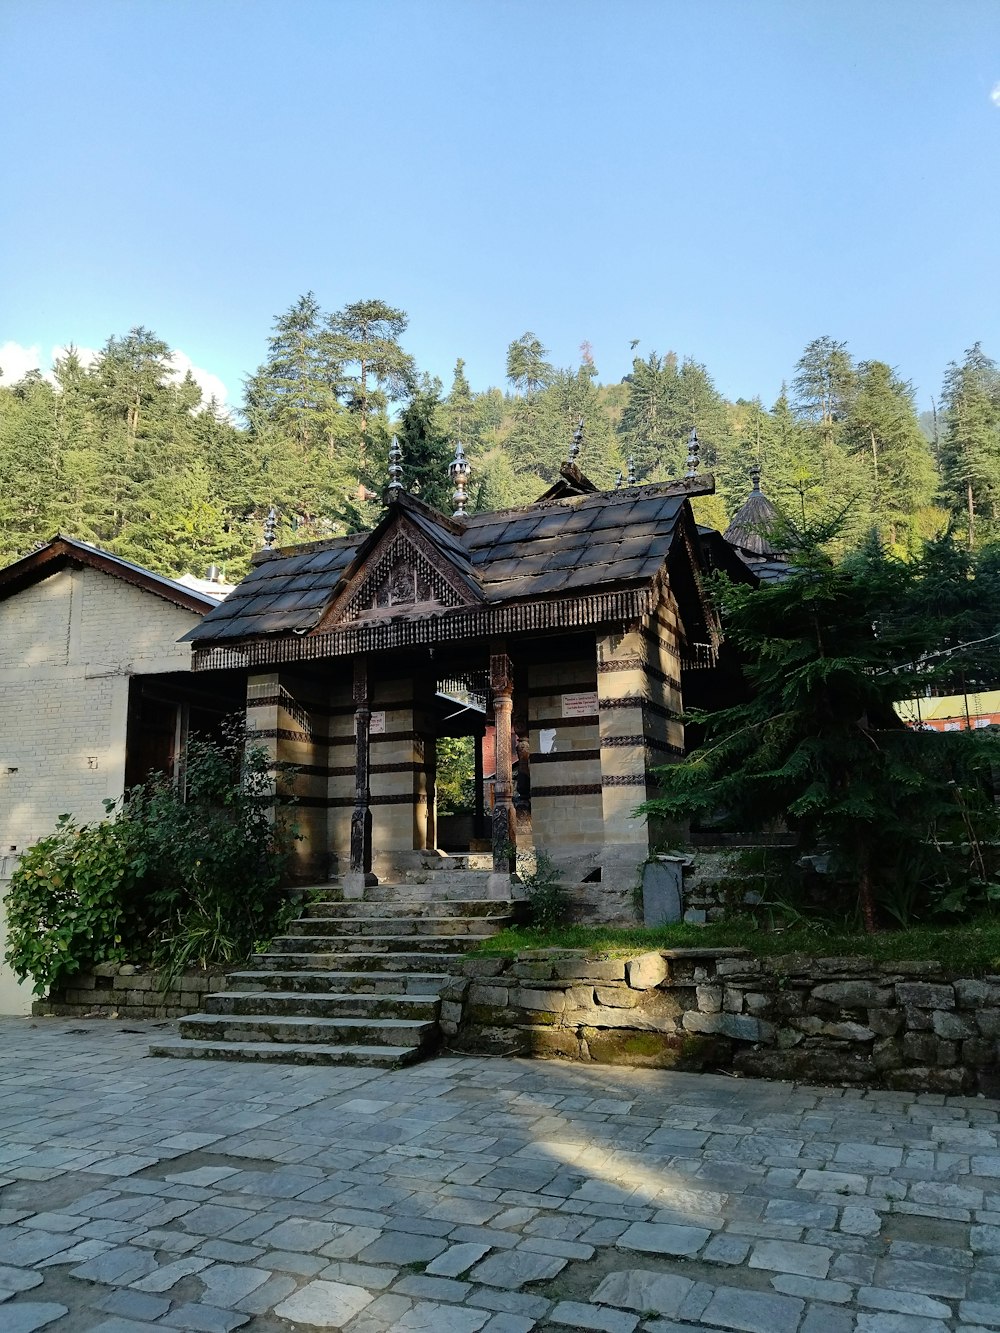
{"x":463,"y":743}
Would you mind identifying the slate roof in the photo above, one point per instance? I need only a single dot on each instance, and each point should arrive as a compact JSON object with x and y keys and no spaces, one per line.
{"x":752,"y":524}
{"x":572,"y":546}
{"x":62,"y":551}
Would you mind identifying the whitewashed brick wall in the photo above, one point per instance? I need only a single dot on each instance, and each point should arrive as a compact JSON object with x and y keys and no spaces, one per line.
{"x":68,"y":646}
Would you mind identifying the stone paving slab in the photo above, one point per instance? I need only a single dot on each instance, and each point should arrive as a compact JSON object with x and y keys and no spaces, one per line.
{"x":468,"y":1195}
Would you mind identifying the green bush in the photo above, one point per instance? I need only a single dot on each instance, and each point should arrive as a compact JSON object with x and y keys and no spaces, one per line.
{"x":548,"y":902}
{"x":176,"y":877}
{"x":71,"y":903}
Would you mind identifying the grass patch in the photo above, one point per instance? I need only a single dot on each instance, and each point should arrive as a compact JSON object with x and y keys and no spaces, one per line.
{"x":971,"y":948}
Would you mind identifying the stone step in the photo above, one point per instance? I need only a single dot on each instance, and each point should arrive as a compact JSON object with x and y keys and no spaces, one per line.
{"x":414,"y":926}
{"x":322,"y":1004}
{"x":383,"y":1057}
{"x":446,"y":885}
{"x":315,"y":944}
{"x":304,"y":1030}
{"x":409,"y":907}
{"x":341,"y":983}
{"x":402,"y":960}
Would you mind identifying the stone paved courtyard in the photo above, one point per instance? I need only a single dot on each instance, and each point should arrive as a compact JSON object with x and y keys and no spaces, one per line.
{"x":474,"y":1194}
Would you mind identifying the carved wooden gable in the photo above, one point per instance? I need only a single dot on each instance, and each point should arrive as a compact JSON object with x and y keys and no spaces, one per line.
{"x":403,"y":574}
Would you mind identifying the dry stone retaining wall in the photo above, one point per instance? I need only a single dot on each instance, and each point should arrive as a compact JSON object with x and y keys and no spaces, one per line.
{"x":123,"y":991}
{"x":903,"y":1025}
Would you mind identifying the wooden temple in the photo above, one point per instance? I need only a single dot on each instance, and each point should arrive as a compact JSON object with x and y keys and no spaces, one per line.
{"x":558,"y":634}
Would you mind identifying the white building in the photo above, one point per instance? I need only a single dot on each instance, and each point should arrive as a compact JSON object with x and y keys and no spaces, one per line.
{"x":95,"y":693}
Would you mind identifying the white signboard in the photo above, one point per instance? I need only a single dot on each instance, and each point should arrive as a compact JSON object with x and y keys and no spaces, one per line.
{"x":579,"y":705}
{"x":376,"y":727}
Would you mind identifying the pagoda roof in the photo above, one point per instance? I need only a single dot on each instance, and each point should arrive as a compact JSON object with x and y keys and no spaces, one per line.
{"x":753,"y":523}
{"x":476,"y":572}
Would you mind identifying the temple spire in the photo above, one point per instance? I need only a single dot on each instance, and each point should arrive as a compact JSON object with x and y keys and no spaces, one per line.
{"x":395,"y":470}
{"x":460,"y":471}
{"x":619,"y":480}
{"x":630,"y":479}
{"x":270,"y":526}
{"x":755,"y":472}
{"x":694,"y":448}
{"x":574,"y":448}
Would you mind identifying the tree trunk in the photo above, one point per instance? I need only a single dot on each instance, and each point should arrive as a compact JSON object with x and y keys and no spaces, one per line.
{"x":971,"y":506}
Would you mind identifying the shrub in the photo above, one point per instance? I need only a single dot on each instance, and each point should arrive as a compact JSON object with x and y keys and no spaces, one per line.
{"x":176,"y":877}
{"x":70,"y":903}
{"x":548,"y":902}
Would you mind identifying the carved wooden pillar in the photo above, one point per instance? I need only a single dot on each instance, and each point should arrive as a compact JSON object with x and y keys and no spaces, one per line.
{"x":480,"y":806}
{"x":361,"y":819}
{"x":504,"y":827}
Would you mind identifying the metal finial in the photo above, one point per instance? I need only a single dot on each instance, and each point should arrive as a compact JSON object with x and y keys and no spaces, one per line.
{"x":630,"y":479}
{"x":755,"y":477}
{"x":270,"y":525}
{"x":694,"y":448}
{"x":619,"y":480}
{"x":574,"y":448}
{"x":395,"y":470}
{"x":460,"y":471}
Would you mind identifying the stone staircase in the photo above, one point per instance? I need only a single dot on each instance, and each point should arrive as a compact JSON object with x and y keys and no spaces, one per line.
{"x":353,"y":982}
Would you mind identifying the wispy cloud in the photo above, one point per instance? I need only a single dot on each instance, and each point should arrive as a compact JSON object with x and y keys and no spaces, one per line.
{"x":995,"y":95}
{"x":16,"y":360}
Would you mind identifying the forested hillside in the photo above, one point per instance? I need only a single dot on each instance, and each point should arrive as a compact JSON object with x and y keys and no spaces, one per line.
{"x":124,"y":453}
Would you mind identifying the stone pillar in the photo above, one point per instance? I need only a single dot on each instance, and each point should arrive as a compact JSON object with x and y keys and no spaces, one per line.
{"x":625,"y":715}
{"x":361,"y":818}
{"x":504,"y":828}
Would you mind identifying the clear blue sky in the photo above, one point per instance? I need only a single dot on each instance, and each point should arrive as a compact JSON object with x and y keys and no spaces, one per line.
{"x":725,"y":178}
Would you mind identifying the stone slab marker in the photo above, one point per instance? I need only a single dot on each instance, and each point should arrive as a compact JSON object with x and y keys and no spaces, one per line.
{"x":662,"y":892}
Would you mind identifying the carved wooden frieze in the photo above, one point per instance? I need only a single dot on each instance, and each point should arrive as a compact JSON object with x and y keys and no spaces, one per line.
{"x":403,"y":575}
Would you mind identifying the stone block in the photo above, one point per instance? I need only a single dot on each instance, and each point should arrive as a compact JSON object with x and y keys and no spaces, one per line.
{"x":886,"y":1054}
{"x":618,"y":997}
{"x":550,"y":1042}
{"x":590,"y":969}
{"x":925,"y":995}
{"x":709,"y":999}
{"x":533,"y":971}
{"x":740,"y":1027}
{"x":450,"y":1012}
{"x":979,"y":1052}
{"x":647,"y":971}
{"x":654,"y":1050}
{"x":920,"y":1048}
{"x":484,"y":967}
{"x":885,"y":1022}
{"x":552,"y":1001}
{"x":491,"y":995}
{"x":988,"y":1022}
{"x":738,"y":967}
{"x":952,"y":1026}
{"x":642,"y":1290}
{"x":754,"y":1311}
{"x":974,"y":994}
{"x":853,"y":994}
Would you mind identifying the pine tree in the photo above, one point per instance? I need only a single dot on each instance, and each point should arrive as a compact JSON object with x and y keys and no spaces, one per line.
{"x":904,"y":815}
{"x":363,"y":338}
{"x":427,"y":451}
{"x":459,"y":407}
{"x":971,"y":445}
{"x":882,"y":430}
